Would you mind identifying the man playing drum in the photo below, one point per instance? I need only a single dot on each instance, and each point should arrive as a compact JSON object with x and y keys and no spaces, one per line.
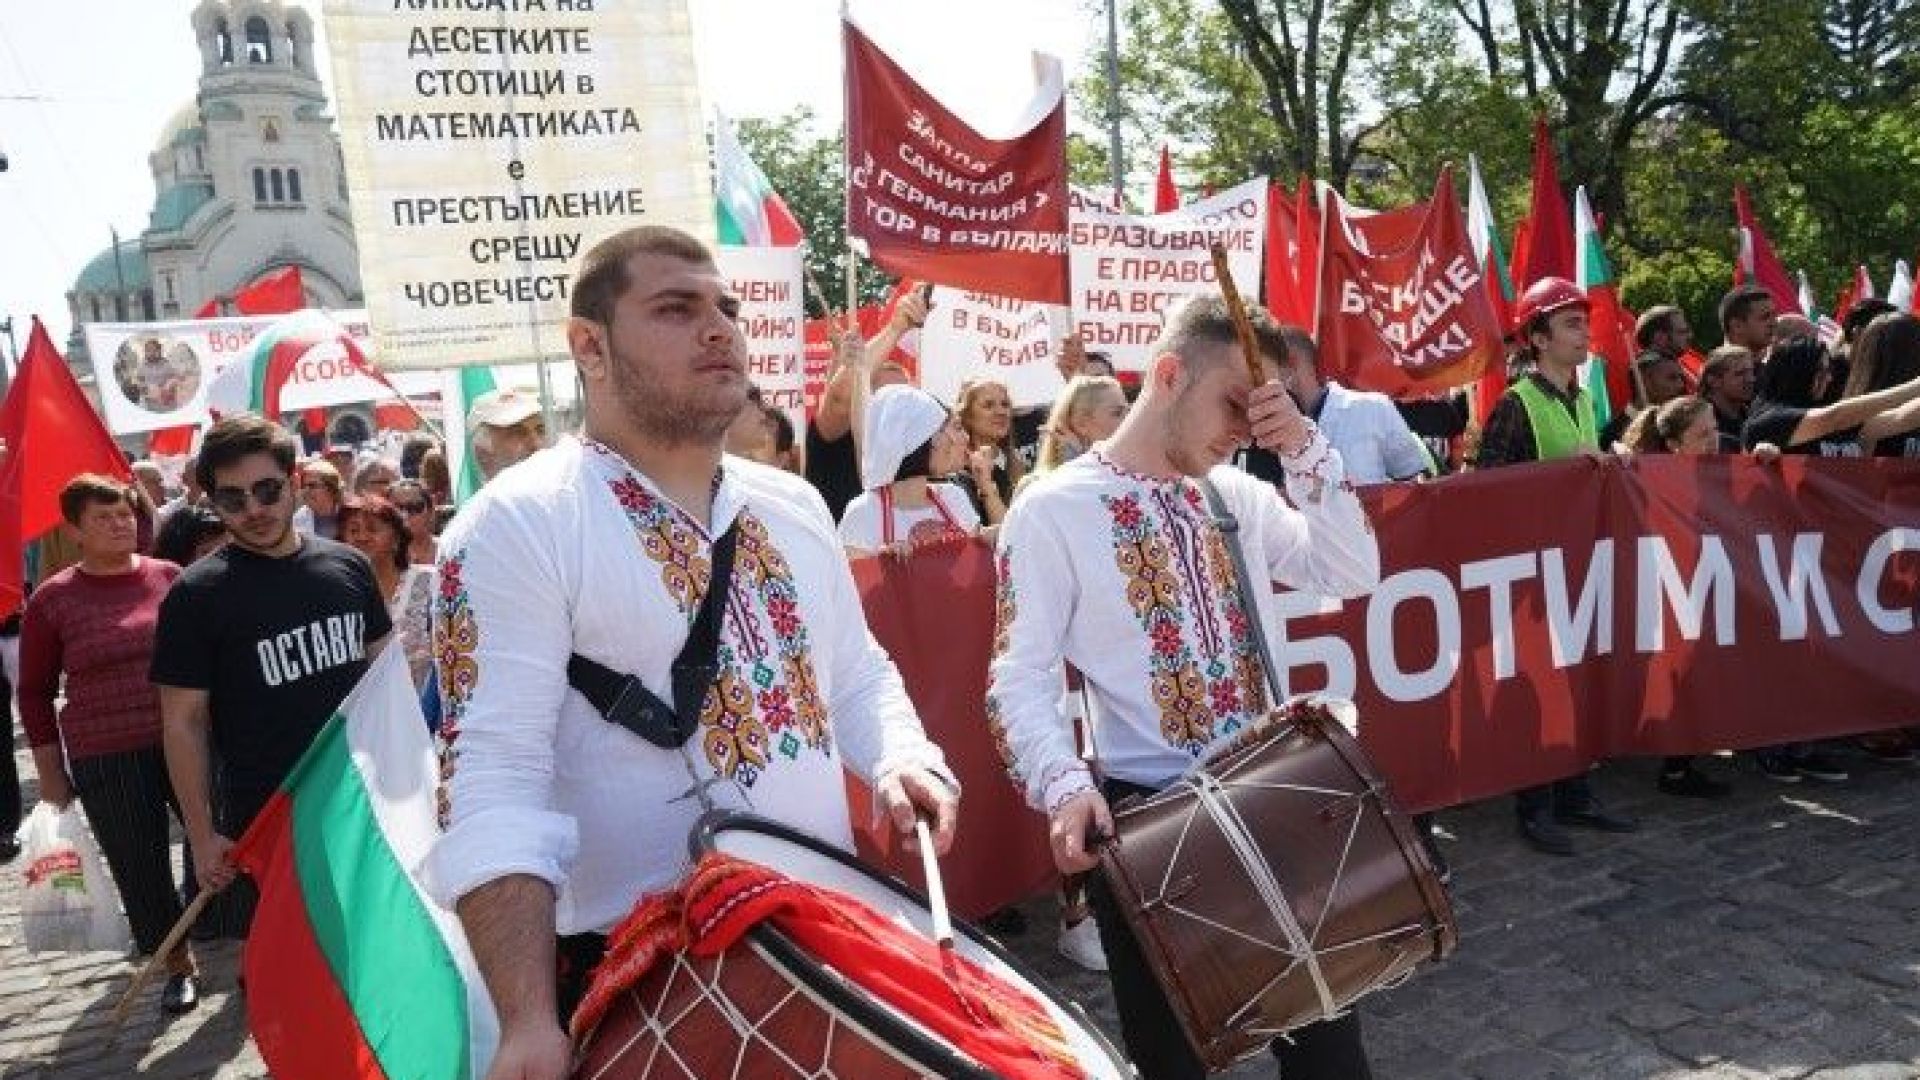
{"x":1113,"y":563}
{"x":602,"y":547}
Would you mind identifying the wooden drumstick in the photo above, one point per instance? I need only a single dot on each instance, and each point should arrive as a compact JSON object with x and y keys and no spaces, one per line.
{"x":1237,"y":308}
{"x":936,"y":890}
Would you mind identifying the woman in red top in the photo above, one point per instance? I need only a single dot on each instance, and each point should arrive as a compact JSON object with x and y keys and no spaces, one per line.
{"x":93,"y":624}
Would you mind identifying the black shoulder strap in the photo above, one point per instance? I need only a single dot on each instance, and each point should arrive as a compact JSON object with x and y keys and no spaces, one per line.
{"x":625,"y":700}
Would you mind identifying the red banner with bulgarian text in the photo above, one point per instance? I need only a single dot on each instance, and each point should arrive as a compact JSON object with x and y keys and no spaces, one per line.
{"x":1403,"y":310}
{"x":1533,"y":620}
{"x":936,"y":200}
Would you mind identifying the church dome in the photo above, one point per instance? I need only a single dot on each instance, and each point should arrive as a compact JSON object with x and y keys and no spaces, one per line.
{"x":183,"y":127}
{"x":102,"y":276}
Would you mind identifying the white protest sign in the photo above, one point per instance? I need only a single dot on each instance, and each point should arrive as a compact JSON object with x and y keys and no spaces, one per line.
{"x":771,"y":285}
{"x":486,"y":152}
{"x":155,"y":375}
{"x":1130,"y":271}
{"x":972,"y":335}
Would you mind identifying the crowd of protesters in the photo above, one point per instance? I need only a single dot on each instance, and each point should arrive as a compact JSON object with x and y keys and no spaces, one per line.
{"x":181,"y":646}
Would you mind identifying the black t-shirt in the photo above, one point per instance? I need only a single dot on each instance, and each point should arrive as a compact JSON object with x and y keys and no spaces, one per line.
{"x":1732,"y":431}
{"x":1775,"y":424}
{"x":277,"y":643}
{"x":833,"y":469}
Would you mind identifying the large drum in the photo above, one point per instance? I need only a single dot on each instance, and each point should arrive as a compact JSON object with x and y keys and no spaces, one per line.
{"x":1276,"y":884}
{"x":768,"y":1008}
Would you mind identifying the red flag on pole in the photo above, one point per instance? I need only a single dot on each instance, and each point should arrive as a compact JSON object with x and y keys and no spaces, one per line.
{"x":1550,"y":230}
{"x":277,"y":293}
{"x":1284,"y":250}
{"x":1757,"y":260}
{"x":1166,"y":197}
{"x":935,"y":200}
{"x":51,"y":435}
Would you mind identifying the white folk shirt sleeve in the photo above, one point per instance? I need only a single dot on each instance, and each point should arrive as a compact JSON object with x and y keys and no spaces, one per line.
{"x":1035,"y":603}
{"x":1323,"y":544}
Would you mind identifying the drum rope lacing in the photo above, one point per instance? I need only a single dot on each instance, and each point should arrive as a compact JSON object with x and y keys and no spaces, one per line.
{"x":1233,"y":829}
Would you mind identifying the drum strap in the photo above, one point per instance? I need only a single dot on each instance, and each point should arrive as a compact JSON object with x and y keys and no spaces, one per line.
{"x":1229,"y":527}
{"x":625,"y":700}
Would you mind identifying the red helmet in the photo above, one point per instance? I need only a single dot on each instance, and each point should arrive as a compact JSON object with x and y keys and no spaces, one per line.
{"x":1544,"y":297}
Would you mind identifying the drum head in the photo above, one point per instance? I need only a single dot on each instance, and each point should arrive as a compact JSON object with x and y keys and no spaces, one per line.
{"x":815,"y":862}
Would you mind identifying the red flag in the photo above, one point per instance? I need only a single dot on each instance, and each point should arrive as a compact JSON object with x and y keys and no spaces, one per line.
{"x":1758,"y":261}
{"x":1550,"y":250}
{"x":278,"y":293}
{"x":1306,"y":268}
{"x":52,"y":435}
{"x":1404,"y":319}
{"x":1166,"y":197}
{"x":1284,"y":248}
{"x":937,"y":201}
{"x":173,"y":441}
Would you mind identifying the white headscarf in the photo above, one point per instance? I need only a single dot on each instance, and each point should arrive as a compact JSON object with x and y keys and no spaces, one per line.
{"x":899,"y":420}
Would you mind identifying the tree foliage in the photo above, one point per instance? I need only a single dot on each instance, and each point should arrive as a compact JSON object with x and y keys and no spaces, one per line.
{"x":806,"y":167}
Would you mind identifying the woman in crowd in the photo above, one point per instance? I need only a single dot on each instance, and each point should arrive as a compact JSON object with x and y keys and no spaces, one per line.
{"x":321,"y":493}
{"x":410,"y":497}
{"x":433,"y":474}
{"x":1089,"y":408}
{"x":373,"y":475}
{"x":909,"y":438}
{"x":994,"y":468}
{"x":380,"y":531}
{"x":1887,"y":354}
{"x":1684,"y":425}
{"x":92,"y":625}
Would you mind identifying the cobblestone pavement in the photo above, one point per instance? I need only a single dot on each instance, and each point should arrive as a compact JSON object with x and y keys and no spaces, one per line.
{"x":1774,"y":934}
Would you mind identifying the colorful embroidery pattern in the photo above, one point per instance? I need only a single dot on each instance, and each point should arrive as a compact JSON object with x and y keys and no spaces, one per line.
{"x":1004,"y":609}
{"x":765,"y":704}
{"x":456,"y":636}
{"x":1180,"y":585}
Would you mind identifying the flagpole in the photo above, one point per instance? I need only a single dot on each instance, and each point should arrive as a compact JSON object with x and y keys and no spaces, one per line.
{"x":172,"y":942}
{"x":1320,"y":255}
{"x":1114,"y":150}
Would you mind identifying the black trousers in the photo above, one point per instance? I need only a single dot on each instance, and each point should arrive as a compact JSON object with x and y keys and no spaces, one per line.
{"x":128,"y":799}
{"x":1328,"y":1050}
{"x":10,"y":804}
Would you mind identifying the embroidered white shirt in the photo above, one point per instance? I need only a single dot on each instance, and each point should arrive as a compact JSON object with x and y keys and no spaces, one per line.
{"x":573,"y":551}
{"x":1127,"y":578}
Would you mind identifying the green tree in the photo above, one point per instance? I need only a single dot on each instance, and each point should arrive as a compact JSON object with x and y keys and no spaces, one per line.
{"x":807,"y":168}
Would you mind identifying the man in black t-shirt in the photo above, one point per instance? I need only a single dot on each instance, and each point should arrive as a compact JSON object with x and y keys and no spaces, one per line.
{"x":256,"y":645}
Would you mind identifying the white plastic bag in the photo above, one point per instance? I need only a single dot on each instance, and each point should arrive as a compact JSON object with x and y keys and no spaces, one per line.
{"x":69,"y":903}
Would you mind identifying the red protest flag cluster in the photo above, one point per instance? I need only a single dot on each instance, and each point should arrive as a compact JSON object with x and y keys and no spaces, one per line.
{"x":278,"y":293}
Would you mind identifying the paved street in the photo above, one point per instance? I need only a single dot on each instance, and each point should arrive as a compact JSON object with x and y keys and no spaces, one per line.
{"x":1776,"y":934}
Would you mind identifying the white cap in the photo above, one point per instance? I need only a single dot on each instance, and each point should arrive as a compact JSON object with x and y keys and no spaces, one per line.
{"x":502,"y":408}
{"x":899,"y":420}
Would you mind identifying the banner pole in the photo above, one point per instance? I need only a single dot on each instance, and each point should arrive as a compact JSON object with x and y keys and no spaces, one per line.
{"x":1320,"y":256}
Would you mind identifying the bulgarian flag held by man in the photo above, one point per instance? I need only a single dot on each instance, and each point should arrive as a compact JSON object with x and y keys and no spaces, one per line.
{"x":750,"y":212}
{"x":1610,"y":367}
{"x":352,"y":971}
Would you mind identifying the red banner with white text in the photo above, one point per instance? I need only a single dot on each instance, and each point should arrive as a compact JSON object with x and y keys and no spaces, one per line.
{"x":1533,"y":620}
{"x":938,"y":201}
{"x":1403,"y":312}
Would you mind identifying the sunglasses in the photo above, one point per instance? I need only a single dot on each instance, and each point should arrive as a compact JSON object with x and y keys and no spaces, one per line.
{"x":266,"y":492}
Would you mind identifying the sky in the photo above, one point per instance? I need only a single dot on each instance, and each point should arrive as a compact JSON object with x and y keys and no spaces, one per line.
{"x":87,"y":85}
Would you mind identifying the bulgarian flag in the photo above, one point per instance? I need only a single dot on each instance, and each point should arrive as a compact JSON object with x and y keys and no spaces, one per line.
{"x":352,"y":971}
{"x":255,"y":382}
{"x":751,"y":213}
{"x":459,"y":389}
{"x":1485,"y":239}
{"x":1610,"y":363}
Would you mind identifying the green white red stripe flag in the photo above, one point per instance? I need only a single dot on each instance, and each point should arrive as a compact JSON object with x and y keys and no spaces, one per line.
{"x":353,"y":972}
{"x":750,"y":213}
{"x":459,"y":388}
{"x":1485,"y":238}
{"x":1609,"y":368}
{"x":256,"y":381}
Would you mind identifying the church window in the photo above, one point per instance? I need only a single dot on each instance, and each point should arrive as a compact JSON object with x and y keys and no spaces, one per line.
{"x":167,"y":280}
{"x":225,"y":38}
{"x":146,"y":305}
{"x":293,"y":185}
{"x":259,"y":41}
{"x":95,"y":301}
{"x":279,"y":187}
{"x":259,"y":185}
